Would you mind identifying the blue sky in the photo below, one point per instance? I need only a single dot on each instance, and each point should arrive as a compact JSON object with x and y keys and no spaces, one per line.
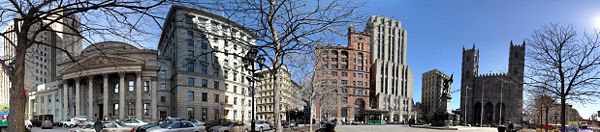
{"x":438,"y":30}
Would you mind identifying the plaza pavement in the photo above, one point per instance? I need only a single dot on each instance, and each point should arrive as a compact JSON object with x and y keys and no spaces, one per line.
{"x":404,"y":128}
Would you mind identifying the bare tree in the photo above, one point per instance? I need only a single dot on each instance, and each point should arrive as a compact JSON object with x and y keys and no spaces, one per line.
{"x":287,"y":27}
{"x":316,"y":88}
{"x":82,"y":21}
{"x":565,"y":64}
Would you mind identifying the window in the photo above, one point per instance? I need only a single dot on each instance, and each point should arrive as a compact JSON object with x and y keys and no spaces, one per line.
{"x":116,"y":109}
{"x":190,"y":43}
{"x":226,"y":73}
{"x":204,"y":69}
{"x":216,"y":84}
{"x":131,"y":109}
{"x":203,"y":45}
{"x":163,"y":86}
{"x":204,"y":97}
{"x":234,"y":76}
{"x":333,"y":73}
{"x":344,"y":82}
{"x":190,"y":54}
{"x":345,"y":74}
{"x":146,"y":109}
{"x":190,"y":33}
{"x":204,"y":114}
{"x":163,"y":99}
{"x":190,"y":112}
{"x":131,"y":86}
{"x":235,"y":89}
{"x":204,"y":83}
{"x":191,"y":81}
{"x":359,"y":59}
{"x":226,"y":99}
{"x":360,"y":83}
{"x":190,"y":96}
{"x":360,"y":91}
{"x":216,"y":98}
{"x":163,"y":74}
{"x":146,"y":86}
{"x":190,"y":67}
{"x":360,"y":75}
{"x":116,"y":87}
{"x":360,"y":68}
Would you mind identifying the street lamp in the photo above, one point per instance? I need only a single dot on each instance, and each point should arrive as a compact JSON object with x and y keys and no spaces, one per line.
{"x":249,"y":62}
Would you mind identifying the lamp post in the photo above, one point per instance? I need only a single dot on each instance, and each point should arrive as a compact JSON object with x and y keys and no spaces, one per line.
{"x":249,"y":62}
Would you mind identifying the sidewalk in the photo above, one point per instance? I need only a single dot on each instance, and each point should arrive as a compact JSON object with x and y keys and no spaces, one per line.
{"x":302,"y":128}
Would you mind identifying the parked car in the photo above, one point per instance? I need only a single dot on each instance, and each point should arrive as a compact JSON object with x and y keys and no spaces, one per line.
{"x":197,"y":122}
{"x":261,"y":125}
{"x":108,"y":126}
{"x":72,"y":122}
{"x":212,"y":123}
{"x":177,"y":126}
{"x":231,"y":127}
{"x":47,"y":124}
{"x":133,"y":122}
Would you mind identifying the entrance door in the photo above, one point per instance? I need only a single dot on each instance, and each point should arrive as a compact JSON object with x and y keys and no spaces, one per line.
{"x":163,"y":114}
{"x":101,"y":110}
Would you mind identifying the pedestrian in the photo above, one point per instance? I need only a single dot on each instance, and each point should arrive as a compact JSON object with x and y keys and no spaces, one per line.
{"x":98,"y":124}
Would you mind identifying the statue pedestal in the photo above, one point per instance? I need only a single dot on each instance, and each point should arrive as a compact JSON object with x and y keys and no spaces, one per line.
{"x":442,"y":117}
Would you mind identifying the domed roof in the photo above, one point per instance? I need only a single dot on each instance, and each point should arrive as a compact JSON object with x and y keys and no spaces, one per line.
{"x":108,"y":45}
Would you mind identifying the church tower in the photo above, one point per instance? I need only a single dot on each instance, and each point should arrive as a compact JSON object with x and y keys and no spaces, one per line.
{"x":470,"y":66}
{"x":516,"y":61}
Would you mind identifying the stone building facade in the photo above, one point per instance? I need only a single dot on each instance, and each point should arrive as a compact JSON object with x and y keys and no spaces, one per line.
{"x":347,"y":68}
{"x":202,"y":75}
{"x":391,"y":82}
{"x":492,"y":98}
{"x":291,"y":98}
{"x":431,"y":94}
{"x":109,"y":79}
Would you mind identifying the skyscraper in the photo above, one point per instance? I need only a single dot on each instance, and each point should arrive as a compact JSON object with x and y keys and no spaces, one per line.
{"x":391,"y":82}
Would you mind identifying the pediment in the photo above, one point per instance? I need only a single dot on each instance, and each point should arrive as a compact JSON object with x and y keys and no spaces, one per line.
{"x":99,"y":61}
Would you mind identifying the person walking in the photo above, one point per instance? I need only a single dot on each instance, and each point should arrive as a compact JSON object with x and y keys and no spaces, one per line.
{"x":98,"y":125}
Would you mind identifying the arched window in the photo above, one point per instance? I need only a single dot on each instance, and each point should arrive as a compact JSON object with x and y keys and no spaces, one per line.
{"x":359,"y":58}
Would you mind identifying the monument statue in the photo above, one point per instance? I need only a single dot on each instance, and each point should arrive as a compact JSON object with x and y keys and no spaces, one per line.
{"x":442,"y":117}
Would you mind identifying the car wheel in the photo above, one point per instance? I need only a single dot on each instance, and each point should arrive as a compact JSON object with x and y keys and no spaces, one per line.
{"x":245,"y":130}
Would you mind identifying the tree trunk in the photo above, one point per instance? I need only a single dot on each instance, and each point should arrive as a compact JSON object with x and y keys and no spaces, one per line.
{"x":18,"y":98}
{"x":546,"y":117}
{"x":562,"y":113}
{"x":311,"y":116}
{"x":276,"y":111}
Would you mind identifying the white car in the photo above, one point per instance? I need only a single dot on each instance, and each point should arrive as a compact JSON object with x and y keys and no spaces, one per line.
{"x":262,"y":125}
{"x":177,"y":126}
{"x":72,"y":122}
{"x":133,"y":122}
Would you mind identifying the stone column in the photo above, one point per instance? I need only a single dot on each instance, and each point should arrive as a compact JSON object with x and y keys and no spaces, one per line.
{"x":138,"y":95}
{"x":122,"y":93}
{"x":153,"y":95}
{"x":105,"y":96}
{"x":91,"y":97}
{"x":65,"y":99}
{"x":77,"y":98}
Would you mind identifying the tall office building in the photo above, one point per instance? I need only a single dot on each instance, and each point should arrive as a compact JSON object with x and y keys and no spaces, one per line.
{"x":431,"y":94}
{"x":42,"y":60}
{"x":199,"y":78}
{"x":391,"y":82}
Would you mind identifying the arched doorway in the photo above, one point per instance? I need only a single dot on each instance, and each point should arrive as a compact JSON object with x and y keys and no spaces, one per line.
{"x":476,"y":113}
{"x":359,"y":107}
{"x":488,"y":113}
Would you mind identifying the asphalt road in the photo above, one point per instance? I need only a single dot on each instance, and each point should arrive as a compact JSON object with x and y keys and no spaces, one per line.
{"x":55,"y":129}
{"x":403,"y":128}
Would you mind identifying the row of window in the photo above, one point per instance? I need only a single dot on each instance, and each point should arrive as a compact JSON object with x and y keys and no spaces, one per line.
{"x":204,"y":98}
{"x":131,"y":109}
{"x":131,"y":86}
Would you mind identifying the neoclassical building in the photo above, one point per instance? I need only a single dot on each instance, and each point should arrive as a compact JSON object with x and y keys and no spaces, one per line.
{"x":291,"y":98}
{"x":109,"y":79}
